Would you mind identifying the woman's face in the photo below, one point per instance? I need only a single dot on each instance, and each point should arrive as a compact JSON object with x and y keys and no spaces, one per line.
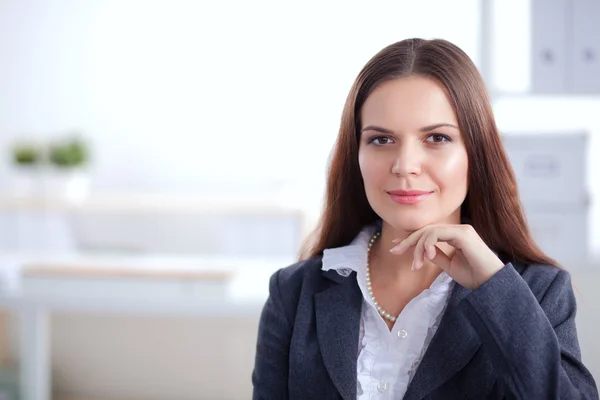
{"x":412,"y":157}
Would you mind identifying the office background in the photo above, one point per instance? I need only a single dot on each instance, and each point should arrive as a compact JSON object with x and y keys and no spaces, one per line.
{"x":154,"y":170}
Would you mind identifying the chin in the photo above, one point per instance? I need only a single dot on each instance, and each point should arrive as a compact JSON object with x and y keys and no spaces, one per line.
{"x":409,"y":222}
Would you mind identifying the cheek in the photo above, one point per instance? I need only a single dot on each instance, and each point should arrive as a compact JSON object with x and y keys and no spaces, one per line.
{"x":452,"y":171}
{"x":364,"y":165}
{"x":372,"y":169}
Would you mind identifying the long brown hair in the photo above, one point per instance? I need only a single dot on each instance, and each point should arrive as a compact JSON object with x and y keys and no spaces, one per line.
{"x":492,"y":204}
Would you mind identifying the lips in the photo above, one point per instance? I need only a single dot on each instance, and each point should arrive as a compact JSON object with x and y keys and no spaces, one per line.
{"x":409,"y":192}
{"x":409,"y":196}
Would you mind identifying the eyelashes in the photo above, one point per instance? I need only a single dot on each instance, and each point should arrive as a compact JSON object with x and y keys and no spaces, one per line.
{"x":375,"y":140}
{"x":434,"y":138}
{"x":442,"y":138}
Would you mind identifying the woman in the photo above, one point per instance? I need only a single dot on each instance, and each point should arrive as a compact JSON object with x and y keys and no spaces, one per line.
{"x":422,"y":281}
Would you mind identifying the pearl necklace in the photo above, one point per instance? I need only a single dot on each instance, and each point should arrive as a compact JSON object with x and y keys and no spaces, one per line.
{"x":380,"y":309}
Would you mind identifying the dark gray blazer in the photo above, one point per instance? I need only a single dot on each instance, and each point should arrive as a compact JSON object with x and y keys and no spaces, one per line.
{"x":512,"y":338}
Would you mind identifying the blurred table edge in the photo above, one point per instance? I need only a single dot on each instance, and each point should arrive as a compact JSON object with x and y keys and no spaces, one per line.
{"x":146,"y":284}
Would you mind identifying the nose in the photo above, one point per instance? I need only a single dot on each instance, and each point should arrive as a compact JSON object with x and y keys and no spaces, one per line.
{"x":408,"y":161}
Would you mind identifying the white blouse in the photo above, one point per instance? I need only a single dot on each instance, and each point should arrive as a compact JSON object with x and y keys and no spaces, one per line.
{"x":388,"y":359}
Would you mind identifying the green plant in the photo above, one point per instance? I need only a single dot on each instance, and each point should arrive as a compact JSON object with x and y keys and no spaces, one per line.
{"x":26,"y":154}
{"x":68,"y":153}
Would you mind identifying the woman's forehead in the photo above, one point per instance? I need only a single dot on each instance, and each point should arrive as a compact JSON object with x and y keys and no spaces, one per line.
{"x":408,"y":103}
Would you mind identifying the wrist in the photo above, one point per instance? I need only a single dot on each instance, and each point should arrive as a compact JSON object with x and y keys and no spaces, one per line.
{"x":488,"y":272}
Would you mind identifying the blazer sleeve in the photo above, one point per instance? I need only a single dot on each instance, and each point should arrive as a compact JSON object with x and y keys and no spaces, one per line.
{"x":270,"y":374}
{"x":533,"y":344}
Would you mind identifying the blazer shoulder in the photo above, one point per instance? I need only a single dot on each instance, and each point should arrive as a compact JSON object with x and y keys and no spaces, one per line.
{"x":290,"y":281}
{"x":293,"y":275}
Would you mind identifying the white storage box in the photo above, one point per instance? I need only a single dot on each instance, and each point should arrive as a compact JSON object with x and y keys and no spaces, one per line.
{"x":550,"y":168}
{"x":561,"y":232}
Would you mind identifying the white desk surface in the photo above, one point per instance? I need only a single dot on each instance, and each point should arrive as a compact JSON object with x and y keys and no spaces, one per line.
{"x":139,"y":283}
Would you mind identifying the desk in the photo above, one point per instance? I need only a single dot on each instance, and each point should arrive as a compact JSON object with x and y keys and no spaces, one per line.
{"x":155,"y":285}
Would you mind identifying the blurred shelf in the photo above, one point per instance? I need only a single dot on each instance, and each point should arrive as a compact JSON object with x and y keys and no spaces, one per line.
{"x":151,"y":202}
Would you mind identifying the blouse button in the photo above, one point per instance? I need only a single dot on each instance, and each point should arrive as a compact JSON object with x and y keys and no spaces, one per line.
{"x":402,"y":334}
{"x":382,"y":387}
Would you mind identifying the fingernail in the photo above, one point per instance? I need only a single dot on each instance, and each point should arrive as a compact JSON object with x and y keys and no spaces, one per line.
{"x":397,"y":249}
{"x":396,"y":240}
{"x":412,"y":267}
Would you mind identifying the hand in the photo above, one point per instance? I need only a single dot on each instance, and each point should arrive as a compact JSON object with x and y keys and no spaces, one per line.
{"x":472,"y":264}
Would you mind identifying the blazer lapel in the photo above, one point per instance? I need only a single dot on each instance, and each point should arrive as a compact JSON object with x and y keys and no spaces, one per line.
{"x":338,"y":311}
{"x":452,"y":347}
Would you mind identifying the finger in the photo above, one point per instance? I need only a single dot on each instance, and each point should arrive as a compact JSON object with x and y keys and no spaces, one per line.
{"x":418,"y":258}
{"x":429,"y":246}
{"x":451,"y":234}
{"x":441,"y":259}
{"x":454,"y":235}
{"x":407,"y":243}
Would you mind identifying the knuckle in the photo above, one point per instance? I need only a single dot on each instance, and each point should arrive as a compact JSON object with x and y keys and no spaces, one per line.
{"x":468,"y":228}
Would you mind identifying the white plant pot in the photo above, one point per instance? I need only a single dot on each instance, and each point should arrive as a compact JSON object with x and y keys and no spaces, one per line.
{"x":67,"y":184}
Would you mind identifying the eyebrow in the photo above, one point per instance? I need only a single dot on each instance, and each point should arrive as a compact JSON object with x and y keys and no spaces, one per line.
{"x":423,"y":129}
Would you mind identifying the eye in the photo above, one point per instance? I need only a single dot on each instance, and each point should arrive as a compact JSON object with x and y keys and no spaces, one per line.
{"x":380,"y":140}
{"x":438,"y":138}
